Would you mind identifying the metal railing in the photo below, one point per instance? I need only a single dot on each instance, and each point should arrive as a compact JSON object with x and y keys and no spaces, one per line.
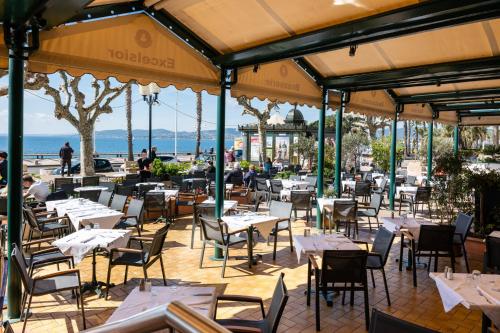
{"x":175,"y":316}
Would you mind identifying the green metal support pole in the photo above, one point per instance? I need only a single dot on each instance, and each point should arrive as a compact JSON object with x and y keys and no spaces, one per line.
{"x":15,"y":166}
{"x":338,"y":143}
{"x":456,"y":138}
{"x":321,"y":155}
{"x":219,"y":151}
{"x":430,"y":133}
{"x":392,"y":167}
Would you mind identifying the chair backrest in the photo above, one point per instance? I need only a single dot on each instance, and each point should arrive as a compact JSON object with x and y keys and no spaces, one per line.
{"x":158,"y":241}
{"x":280,"y":209}
{"x":423,"y":194}
{"x":57,"y":195}
{"x":294,"y":177}
{"x":383,"y":323}
{"x":62,"y":180}
{"x":132,"y":176}
{"x":236,"y":180}
{"x":30,"y":217}
{"x":135,"y":208}
{"x":118,"y":202}
{"x":260,"y":184}
{"x":492,"y":255}
{"x":90,"y":181}
{"x":344,"y":210}
{"x":376,"y":201}
{"x":199,"y":185}
{"x":276,"y":186}
{"x":300,"y":199}
{"x":343,"y":266}
{"x":131,"y":182}
{"x":126,"y":190}
{"x":436,"y":237}
{"x":382,"y":243}
{"x":177,"y":180}
{"x":92,"y":195}
{"x":362,"y":188}
{"x":312,"y":180}
{"x":411,"y":180}
{"x":278,"y":303}
{"x":212,"y":229}
{"x":3,"y":206}
{"x":20,"y":264}
{"x":154,"y":200}
{"x":462,"y":225}
{"x":105,"y":198}
{"x":145,"y":188}
{"x":199,"y":174}
{"x":383,"y":184}
{"x":67,"y":188}
{"x":110,"y":185}
{"x":153,"y":179}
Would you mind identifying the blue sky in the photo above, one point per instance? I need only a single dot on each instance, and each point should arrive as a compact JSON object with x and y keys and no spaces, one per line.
{"x":39,"y":113}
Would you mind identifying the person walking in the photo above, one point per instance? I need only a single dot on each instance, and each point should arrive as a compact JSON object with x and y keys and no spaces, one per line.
{"x":66,"y":154}
{"x":3,"y":168}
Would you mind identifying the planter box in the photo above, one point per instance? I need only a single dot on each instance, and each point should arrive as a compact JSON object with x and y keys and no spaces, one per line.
{"x":187,"y":210}
{"x":475,"y":248}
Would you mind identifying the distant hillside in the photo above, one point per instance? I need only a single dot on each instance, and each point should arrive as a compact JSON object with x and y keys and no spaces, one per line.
{"x":231,"y":133}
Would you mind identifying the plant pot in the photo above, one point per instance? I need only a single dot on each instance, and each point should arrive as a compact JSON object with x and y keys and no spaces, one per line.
{"x":475,"y":248}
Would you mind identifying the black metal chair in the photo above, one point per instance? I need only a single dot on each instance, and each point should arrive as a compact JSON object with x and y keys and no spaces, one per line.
{"x":313,"y":182}
{"x":177,"y":180}
{"x":491,"y":262}
{"x":67,"y":188}
{"x":269,"y":322}
{"x":385,"y":323}
{"x":154,"y":202}
{"x":340,"y":271}
{"x":362,"y":189}
{"x":46,"y":284}
{"x":50,"y":255}
{"x":421,"y":197}
{"x":118,"y":202}
{"x":200,"y":210}
{"x":282,"y":210}
{"x":185,"y":199}
{"x":434,"y":241}
{"x":133,"y":219}
{"x":372,"y":210}
{"x":236,"y":180}
{"x":59,"y":181}
{"x":301,"y":201}
{"x":462,"y":228}
{"x":261,"y":187}
{"x":199,"y":185}
{"x":142,"y":189}
{"x":92,"y":195}
{"x":216,"y":234}
{"x":126,"y":190}
{"x":383,"y":185}
{"x":110,"y":185}
{"x":105,"y":198}
{"x":377,"y":257}
{"x":275,"y":190}
{"x":58,"y":195}
{"x":143,"y":257}
{"x":344,"y":212}
{"x":132,"y":177}
{"x":411,"y":180}
{"x":47,"y":225}
{"x":90,"y":181}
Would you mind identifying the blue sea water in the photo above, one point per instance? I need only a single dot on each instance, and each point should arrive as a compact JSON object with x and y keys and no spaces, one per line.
{"x":52,"y":144}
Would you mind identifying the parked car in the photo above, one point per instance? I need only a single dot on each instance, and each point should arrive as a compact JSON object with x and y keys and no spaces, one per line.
{"x":167,"y":158}
{"x":100,"y":165}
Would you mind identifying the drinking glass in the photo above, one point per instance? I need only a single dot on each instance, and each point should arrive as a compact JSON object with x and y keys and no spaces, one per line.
{"x":97,"y":226}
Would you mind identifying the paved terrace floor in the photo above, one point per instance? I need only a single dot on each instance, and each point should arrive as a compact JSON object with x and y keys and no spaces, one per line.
{"x":422,"y":305}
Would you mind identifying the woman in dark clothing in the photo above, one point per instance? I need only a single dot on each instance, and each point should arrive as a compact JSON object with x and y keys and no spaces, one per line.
{"x":144,"y":163}
{"x":3,"y":168}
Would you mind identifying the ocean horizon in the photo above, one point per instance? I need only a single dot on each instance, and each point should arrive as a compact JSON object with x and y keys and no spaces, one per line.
{"x":50,"y":144}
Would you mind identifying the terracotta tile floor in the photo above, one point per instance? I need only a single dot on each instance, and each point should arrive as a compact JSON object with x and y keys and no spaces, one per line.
{"x":422,"y":305}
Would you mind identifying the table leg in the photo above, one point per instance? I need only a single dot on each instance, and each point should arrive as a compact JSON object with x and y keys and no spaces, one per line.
{"x":250,"y":246}
{"x":485,"y":324}
{"x":94,"y":285}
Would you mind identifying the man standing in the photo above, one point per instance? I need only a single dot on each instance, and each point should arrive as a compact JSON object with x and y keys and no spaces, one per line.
{"x":39,"y":190}
{"x":66,"y":154}
{"x":153,"y":153}
{"x":3,"y":168}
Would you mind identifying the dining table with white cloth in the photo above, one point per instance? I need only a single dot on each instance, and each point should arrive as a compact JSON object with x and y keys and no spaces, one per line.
{"x":351,"y":184}
{"x":328,"y":202}
{"x":90,"y":188}
{"x":200,"y":299}
{"x":82,"y":212}
{"x":481,"y":292}
{"x":291,"y":184}
{"x":410,"y":224}
{"x":408,"y":190}
{"x":247,"y":221}
{"x":168,"y":193}
{"x":317,"y":243}
{"x":228,"y":204}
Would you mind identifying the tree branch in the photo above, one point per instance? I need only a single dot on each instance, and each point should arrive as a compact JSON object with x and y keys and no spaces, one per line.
{"x":248,"y":108}
{"x":106,"y":108}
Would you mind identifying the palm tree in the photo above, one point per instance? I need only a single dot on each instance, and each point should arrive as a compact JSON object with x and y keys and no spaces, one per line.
{"x":198,"y":123}
{"x":128,"y":102}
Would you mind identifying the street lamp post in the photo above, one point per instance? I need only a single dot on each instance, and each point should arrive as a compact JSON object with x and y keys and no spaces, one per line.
{"x":150,"y":95}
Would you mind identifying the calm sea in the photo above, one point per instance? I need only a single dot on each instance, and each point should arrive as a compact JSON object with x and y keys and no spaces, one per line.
{"x":52,"y":144}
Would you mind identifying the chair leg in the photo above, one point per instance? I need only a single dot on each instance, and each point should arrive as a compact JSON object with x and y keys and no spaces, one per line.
{"x":193,"y":228}
{"x":465,"y":257}
{"x":386,"y":288}
{"x":367,"y":307}
{"x":138,"y":230}
{"x":436,"y":261}
{"x":202,"y":254}
{"x":401,"y":249}
{"x":308,"y":291}
{"x":452,"y":258}
{"x":226,"y":252}
{"x":144,"y":269}
{"x":275,"y":241}
{"x":80,"y":295}
{"x":126,"y":273}
{"x":27,"y":311}
{"x":378,"y":223}
{"x":163,"y":271}
{"x":414,"y":264}
{"x":369,"y":224}
{"x":108,"y":278}
{"x":290,"y":236}
{"x":316,"y":301}
{"x":373,"y":279}
{"x":351,"y":301}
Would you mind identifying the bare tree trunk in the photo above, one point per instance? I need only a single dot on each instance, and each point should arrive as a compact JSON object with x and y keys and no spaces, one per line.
{"x":130,"y":145}
{"x":198,"y":123}
{"x":496,"y":135}
{"x":405,"y":123}
{"x":262,"y":136}
{"x":86,"y":150}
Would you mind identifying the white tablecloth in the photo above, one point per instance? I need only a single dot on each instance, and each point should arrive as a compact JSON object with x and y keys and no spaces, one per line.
{"x":411,"y":190}
{"x":483,"y":295}
{"x":90,"y":188}
{"x":289,"y":184}
{"x":82,"y":242}
{"x":411,"y":224}
{"x":349,"y":183}
{"x":228,"y":204}
{"x":82,"y":212}
{"x":161,"y":185}
{"x":200,"y":299}
{"x":495,"y":234}
{"x":168,"y":193}
{"x":328,"y":202}
{"x":263,"y":223}
{"x":316,"y":244}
